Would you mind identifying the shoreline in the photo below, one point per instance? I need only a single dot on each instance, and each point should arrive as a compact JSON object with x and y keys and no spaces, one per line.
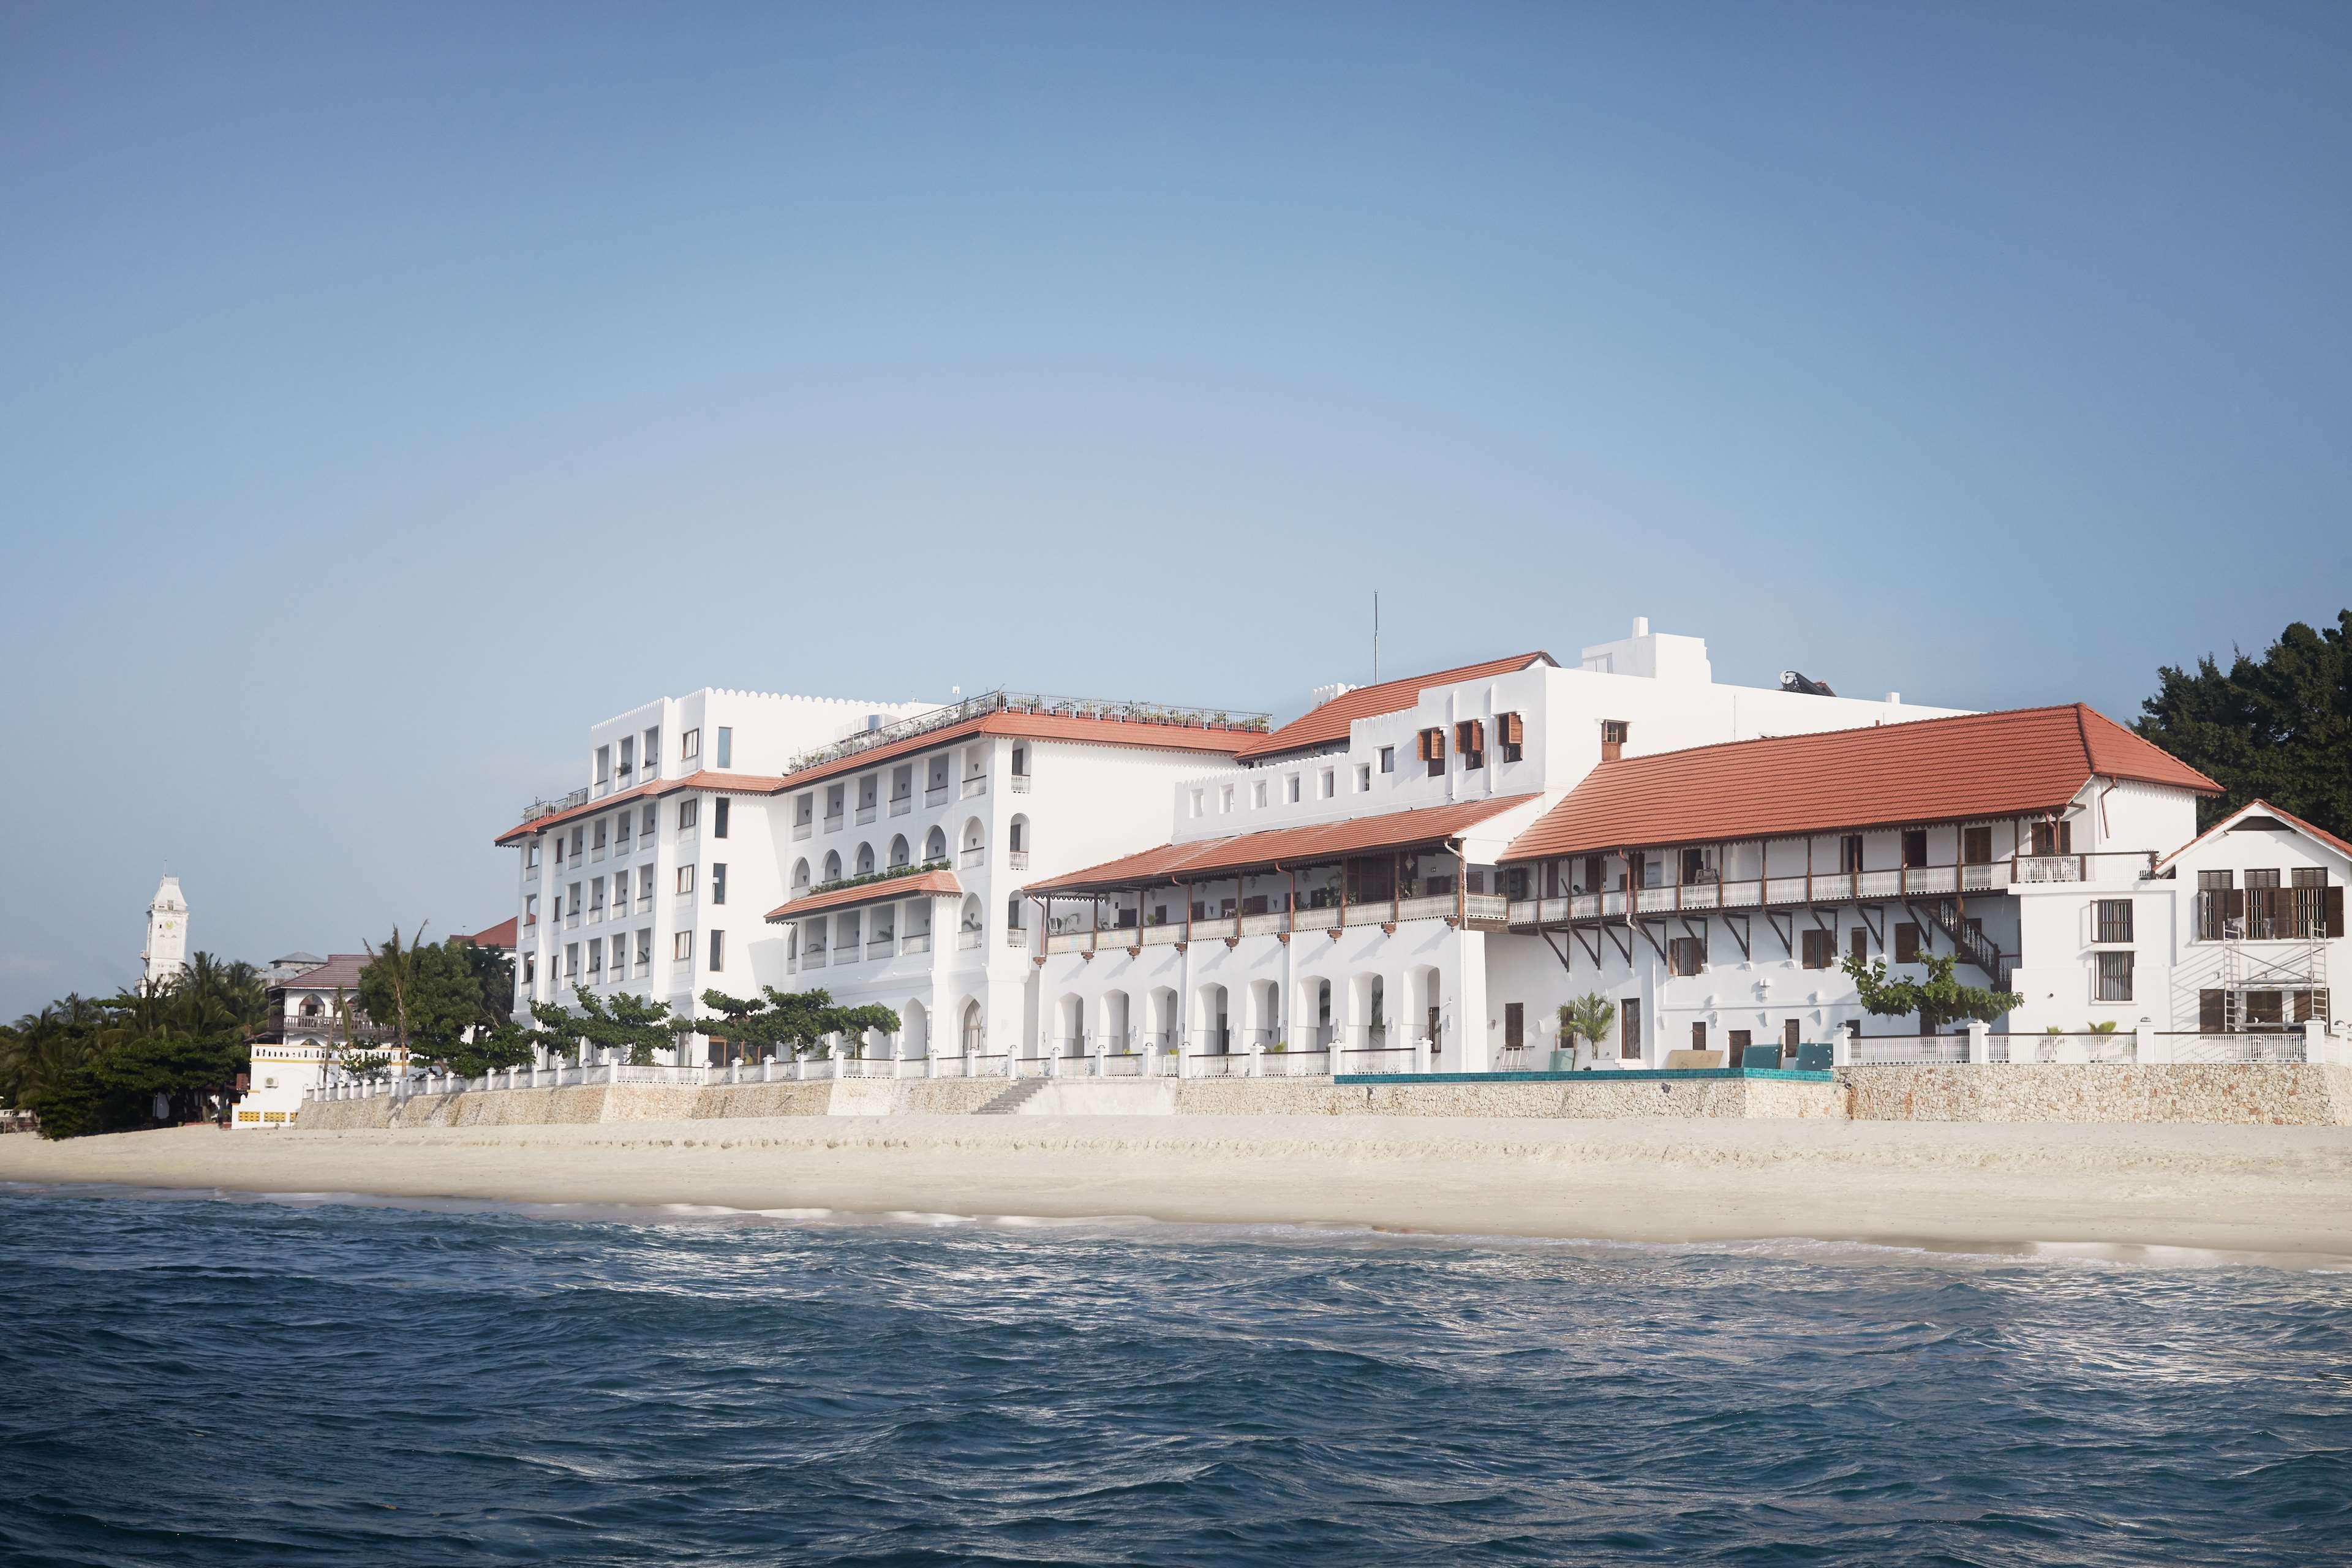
{"x":2266,"y":1191}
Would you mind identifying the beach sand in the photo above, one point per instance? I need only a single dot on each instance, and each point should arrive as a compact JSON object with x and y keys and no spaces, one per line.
{"x":2245,"y":1190}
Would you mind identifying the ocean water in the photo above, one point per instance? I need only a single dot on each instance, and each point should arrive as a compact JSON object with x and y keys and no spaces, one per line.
{"x":199,"y":1380}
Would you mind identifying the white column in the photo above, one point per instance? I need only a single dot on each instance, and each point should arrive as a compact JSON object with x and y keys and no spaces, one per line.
{"x":1979,"y":1042}
{"x":1842,"y":1051}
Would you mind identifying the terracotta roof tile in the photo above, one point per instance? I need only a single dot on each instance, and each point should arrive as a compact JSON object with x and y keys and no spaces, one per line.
{"x":723,"y":784}
{"x":1321,"y":726}
{"x":1284,"y":846}
{"x":1925,"y":770}
{"x":879,"y":892}
{"x":501,"y":935}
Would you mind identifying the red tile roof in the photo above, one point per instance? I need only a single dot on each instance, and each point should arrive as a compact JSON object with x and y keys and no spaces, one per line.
{"x":1035,"y":727}
{"x":501,"y":935}
{"x":879,"y":892}
{"x":2266,"y":808}
{"x":340,"y":970}
{"x":1317,"y":844}
{"x":1925,"y":770}
{"x":723,"y":784}
{"x":1321,"y":726}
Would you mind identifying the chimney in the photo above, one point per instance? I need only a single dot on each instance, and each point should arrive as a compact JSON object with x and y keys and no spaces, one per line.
{"x":1640,"y":625}
{"x":1894,"y":700}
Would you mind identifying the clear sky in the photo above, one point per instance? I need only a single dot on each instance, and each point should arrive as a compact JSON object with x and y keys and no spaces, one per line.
{"x":387,"y":393}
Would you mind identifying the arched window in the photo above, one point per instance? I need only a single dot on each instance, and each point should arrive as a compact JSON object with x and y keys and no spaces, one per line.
{"x":935,"y":847}
{"x":971,"y":912}
{"x":310,"y":1006}
{"x":971,"y":1028}
{"x":975,"y":842}
{"x":1017,"y":838}
{"x":899,"y":853}
{"x":801,"y":875}
{"x":833,"y":865}
{"x":866,"y":859}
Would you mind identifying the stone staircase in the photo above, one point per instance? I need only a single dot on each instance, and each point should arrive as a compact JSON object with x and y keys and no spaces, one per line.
{"x":1014,"y":1096}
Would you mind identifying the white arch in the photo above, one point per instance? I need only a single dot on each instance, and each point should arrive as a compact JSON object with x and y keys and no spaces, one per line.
{"x":914,"y":1028}
{"x":1016,"y":839}
{"x":1070,"y":1025}
{"x":866,"y":859}
{"x":801,"y":875}
{"x":899,"y":852}
{"x":974,"y":1032}
{"x":833,"y":865}
{"x":935,"y":845}
{"x":975,"y":839}
{"x":972,"y":919}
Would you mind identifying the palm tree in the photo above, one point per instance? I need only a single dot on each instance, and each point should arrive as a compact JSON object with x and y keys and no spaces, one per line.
{"x":1589,"y":1017}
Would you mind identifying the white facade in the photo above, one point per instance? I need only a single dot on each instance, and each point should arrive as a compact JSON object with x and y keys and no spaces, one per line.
{"x":314,"y":1021}
{"x":166,"y":952}
{"x":643,"y":894}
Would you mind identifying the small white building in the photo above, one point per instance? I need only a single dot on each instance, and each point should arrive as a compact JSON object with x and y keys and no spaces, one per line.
{"x":314,"y":1020}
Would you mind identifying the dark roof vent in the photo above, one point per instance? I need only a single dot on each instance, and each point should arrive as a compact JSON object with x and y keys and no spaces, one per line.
{"x":1804,"y":685}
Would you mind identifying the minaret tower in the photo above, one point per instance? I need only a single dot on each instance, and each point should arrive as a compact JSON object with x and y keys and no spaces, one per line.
{"x":167,"y":933}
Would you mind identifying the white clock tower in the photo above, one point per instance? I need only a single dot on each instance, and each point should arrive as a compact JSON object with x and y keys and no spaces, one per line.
{"x":167,"y":933}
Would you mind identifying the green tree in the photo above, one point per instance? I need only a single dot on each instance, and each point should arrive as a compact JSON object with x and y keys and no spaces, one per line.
{"x":799,"y":1020}
{"x":625,"y":1023}
{"x":426,"y":994}
{"x":2276,"y":729}
{"x":1939,"y":1000}
{"x":1590,"y":1018}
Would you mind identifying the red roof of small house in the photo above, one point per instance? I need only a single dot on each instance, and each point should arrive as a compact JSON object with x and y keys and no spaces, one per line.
{"x":1321,"y":726}
{"x":875,"y":892}
{"x":501,"y":935}
{"x":1030,"y":726}
{"x":340,"y":971}
{"x":722,"y":783}
{"x":1277,"y":847}
{"x":2264,"y":808}
{"x":1971,"y":765}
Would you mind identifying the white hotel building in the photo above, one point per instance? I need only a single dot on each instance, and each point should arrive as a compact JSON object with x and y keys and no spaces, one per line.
{"x":1416,"y":875}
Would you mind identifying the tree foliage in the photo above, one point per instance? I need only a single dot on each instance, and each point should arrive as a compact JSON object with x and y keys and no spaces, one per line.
{"x":2277,"y":728}
{"x":89,"y":1065}
{"x":626,"y":1023}
{"x":1590,"y":1018}
{"x":795,"y":1021}
{"x":1939,"y":1000}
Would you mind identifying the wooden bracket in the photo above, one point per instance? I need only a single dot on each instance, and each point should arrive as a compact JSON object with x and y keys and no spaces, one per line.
{"x":1231,"y":942}
{"x":1592,"y":948}
{"x":1784,"y":926}
{"x":1743,"y":931}
{"x":1622,"y":939}
{"x":1182,"y":945}
{"x":1651,"y":937}
{"x":1876,"y":927}
{"x":1334,"y":933}
{"x":1135,"y":952}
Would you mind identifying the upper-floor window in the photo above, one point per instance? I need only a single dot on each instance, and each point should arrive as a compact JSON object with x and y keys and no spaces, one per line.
{"x":1363,"y":775}
{"x":1700,"y":865}
{"x":690,"y":746}
{"x":576,"y":845}
{"x":1820,"y":948}
{"x":1257,"y":795}
{"x":596,"y":840}
{"x":690,"y":814}
{"x":1020,"y":762}
{"x":718,"y":881}
{"x":2053,"y":838}
{"x":2115,"y":976}
{"x":1225,"y":798}
{"x":902,"y":783}
{"x":1976,"y":845}
{"x":718,"y":814}
{"x":628,"y":755}
{"x":835,"y":796}
{"x":1200,"y":801}
{"x":1849,"y":853}
{"x":1914,"y":847}
{"x":1613,"y":735}
{"x":685,"y":878}
{"x":652,"y":821}
{"x":1388,"y":759}
{"x":1433,"y":751}
{"x":2113,"y":921}
{"x":869,"y":792}
{"x":805,"y":811}
{"x":1512,"y":731}
{"x":1330,"y":784}
{"x":726,"y":747}
{"x":681,"y":947}
{"x":604,"y":765}
{"x":653,"y":749}
{"x":1294,"y":789}
{"x":531,"y":853}
{"x":1470,"y":740}
{"x":1685,"y":955}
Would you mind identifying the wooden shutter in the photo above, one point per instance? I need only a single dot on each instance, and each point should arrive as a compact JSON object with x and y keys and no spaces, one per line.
{"x":1423,"y":740}
{"x":2336,"y":911}
{"x":2209,"y":1016}
{"x":2234,"y":904}
{"x":1514,"y":730}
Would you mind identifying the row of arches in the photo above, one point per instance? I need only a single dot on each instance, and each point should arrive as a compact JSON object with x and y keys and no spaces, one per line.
{"x":1365,"y":1011}
{"x":864,"y":861}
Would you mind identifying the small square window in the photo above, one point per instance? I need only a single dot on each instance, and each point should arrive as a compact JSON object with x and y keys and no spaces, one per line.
{"x":1685,"y":955}
{"x":2114,"y":921}
{"x":1388,"y":759}
{"x":1821,"y":949}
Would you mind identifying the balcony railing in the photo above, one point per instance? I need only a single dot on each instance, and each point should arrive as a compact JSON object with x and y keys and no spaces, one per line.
{"x":1017,"y":936}
{"x":901,"y":805}
{"x":970,"y":939}
{"x":975,"y":855}
{"x":1019,"y":783}
{"x":1031,"y":702}
{"x":1017,"y":859}
{"x":832,"y":822}
{"x":804,"y":829}
{"x":2120,"y":868}
{"x":865,"y":813}
{"x":976,"y":784}
{"x":917,"y":942}
{"x":882,"y":946}
{"x":936,"y":794}
{"x":539,"y":808}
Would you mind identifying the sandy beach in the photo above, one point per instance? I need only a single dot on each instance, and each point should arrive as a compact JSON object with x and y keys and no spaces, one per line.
{"x":2255,"y":1190}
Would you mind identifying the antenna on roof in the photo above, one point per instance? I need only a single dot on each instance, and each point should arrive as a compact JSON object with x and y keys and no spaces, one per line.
{"x":1376,"y":637}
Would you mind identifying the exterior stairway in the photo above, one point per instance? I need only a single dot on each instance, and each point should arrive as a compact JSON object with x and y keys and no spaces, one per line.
{"x":1014,"y":1096}
{"x":1971,"y":945}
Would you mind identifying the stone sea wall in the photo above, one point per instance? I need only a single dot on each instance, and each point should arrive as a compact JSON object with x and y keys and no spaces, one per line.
{"x":2314,"y":1095}
{"x":2243,"y":1093}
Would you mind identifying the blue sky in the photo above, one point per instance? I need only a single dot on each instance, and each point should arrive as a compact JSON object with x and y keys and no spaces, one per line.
{"x":388,"y":394}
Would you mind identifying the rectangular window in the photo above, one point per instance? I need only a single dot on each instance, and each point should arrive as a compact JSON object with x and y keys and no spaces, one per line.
{"x":653,"y":749}
{"x":1685,"y":955}
{"x":690,"y":814}
{"x":1513,"y":732}
{"x":685,"y":879}
{"x":531,"y":909}
{"x":681,"y":947}
{"x":1613,"y":735}
{"x":646,"y":948}
{"x":578,"y":834}
{"x":2264,"y":1009}
{"x":571,"y":961}
{"x":717,"y":946}
{"x":604,"y":765}
{"x":718,"y":881}
{"x":1820,"y":948}
{"x":1330,"y":784}
{"x":726,"y":748}
{"x":1433,"y":751}
{"x":1257,"y":795}
{"x":2311,"y":1007}
{"x":1790,"y":1037}
{"x":646,"y":824}
{"x":1914,"y":847}
{"x":529,"y":970}
{"x":2114,"y":977}
{"x":534,"y":858}
{"x":690,"y":746}
{"x":1470,"y":740}
{"x":719,"y":814}
{"x":575,"y":908}
{"x":2053,"y":838}
{"x":1976,"y":846}
{"x":1906,"y":944}
{"x":1388,"y":759}
{"x":621,"y":822}
{"x":1699,"y":1037}
{"x":1363,"y":775}
{"x":2114,"y":921}
{"x":620,"y":889}
{"x":596,"y":839}
{"x":1850,"y":854}
{"x":1294,"y":789}
{"x":1225,"y":798}
{"x":1200,"y":801}
{"x":2264,"y":879}
{"x":1698,"y":867}
{"x":628,"y":755}
{"x":2310,"y":877}
{"x":1629,"y":1026}
{"x":595,"y":961}
{"x":595,"y":895}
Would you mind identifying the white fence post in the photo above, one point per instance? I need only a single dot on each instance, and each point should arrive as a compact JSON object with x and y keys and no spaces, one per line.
{"x":1257,"y":1059}
{"x":1842,"y":1053}
{"x":2148,"y":1049}
{"x":2314,"y":1041}
{"x":1979,"y":1042}
{"x":1421,"y":1055}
